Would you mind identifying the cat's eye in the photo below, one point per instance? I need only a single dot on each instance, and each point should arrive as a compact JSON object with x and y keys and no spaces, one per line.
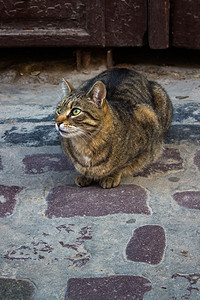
{"x":75,"y":111}
{"x":59,"y":110}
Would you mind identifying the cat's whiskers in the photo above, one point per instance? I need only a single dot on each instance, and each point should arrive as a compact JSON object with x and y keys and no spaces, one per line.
{"x":84,"y":136}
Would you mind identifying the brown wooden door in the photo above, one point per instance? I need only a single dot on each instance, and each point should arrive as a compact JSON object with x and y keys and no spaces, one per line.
{"x":126,"y":23}
{"x":73,"y":23}
{"x":51,"y":23}
{"x":100,"y":23}
{"x":185,"y":23}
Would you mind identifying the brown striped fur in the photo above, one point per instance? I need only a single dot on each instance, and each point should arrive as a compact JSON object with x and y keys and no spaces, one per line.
{"x":113,"y":125}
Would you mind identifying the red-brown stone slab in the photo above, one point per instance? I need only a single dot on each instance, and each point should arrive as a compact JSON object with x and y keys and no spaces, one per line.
{"x":42,"y":162}
{"x":7,"y":199}
{"x":107,"y":288}
{"x":70,"y":200}
{"x":169,"y":161}
{"x":197,"y":159}
{"x":188,"y":199}
{"x":147,"y":244}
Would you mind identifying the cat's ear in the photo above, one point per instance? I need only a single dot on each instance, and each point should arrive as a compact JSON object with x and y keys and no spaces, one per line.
{"x":67,"y":88}
{"x":98,"y":93}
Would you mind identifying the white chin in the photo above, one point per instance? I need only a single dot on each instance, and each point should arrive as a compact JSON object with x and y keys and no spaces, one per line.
{"x":67,"y":134}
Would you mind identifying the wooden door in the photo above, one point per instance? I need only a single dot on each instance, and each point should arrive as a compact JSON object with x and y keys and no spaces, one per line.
{"x":51,"y":23}
{"x":185,"y":23}
{"x":100,"y":23}
{"x":126,"y":23}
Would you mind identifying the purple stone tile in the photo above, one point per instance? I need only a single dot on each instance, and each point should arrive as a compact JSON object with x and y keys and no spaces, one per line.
{"x":7,"y":199}
{"x":147,"y":245}
{"x":1,"y":166}
{"x":107,"y":288}
{"x":70,"y":200}
{"x":188,"y":199}
{"x":16,"y":289}
{"x":197,"y":159}
{"x":169,"y":161}
{"x":42,"y":162}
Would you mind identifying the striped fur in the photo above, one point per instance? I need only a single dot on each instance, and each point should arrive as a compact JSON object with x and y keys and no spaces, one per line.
{"x":113,"y":125}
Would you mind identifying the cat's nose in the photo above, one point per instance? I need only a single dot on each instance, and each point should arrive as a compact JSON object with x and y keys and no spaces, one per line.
{"x":58,"y":123}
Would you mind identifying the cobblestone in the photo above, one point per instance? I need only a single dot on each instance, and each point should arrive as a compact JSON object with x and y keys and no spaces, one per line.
{"x":69,"y":201}
{"x":16,"y":289}
{"x":113,"y":287}
{"x":8,"y":199}
{"x":197,"y":159}
{"x":188,"y":199}
{"x":147,"y":244}
{"x":41,"y":163}
{"x":169,"y":161}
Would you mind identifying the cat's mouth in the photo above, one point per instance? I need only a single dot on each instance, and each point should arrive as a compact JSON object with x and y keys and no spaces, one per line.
{"x":66,"y":132}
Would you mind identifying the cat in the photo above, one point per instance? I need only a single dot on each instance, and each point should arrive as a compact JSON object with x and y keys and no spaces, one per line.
{"x":112,"y":125}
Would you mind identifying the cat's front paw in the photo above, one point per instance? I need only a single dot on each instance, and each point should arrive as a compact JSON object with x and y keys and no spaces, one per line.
{"x":109,"y":182}
{"x":82,"y":181}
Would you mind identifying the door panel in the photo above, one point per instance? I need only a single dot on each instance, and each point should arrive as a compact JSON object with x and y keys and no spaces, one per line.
{"x":100,"y":23}
{"x":52,"y":23}
{"x":185,"y":22}
{"x":158,"y":24}
{"x":126,"y":23}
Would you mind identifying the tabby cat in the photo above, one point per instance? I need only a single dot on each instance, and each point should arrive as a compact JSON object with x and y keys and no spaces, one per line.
{"x":112,"y":125}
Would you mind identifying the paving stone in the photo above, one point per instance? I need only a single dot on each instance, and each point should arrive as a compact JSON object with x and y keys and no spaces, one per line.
{"x":30,"y":135}
{"x":107,"y":288}
{"x":16,"y":289}
{"x":178,"y":133}
{"x":42,"y":162}
{"x":147,"y":244}
{"x":70,"y":200}
{"x":197,"y":159}
{"x":1,"y":166}
{"x":7,"y":199}
{"x":51,"y":251}
{"x":170,"y":160}
{"x":187,"y":113}
{"x":188,"y":199}
{"x":188,"y":286}
{"x":65,"y":242}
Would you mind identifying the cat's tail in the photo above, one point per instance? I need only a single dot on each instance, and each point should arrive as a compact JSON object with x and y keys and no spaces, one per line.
{"x":162,"y":105}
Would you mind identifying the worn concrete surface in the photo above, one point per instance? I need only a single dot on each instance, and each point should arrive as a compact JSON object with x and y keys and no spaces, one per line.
{"x":58,"y":241}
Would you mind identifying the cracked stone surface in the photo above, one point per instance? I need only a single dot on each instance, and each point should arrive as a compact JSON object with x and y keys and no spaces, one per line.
{"x":64,"y":243}
{"x":58,"y":241}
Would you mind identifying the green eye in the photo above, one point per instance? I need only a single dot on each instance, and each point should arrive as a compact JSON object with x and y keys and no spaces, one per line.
{"x":59,"y":110}
{"x":76,"y":111}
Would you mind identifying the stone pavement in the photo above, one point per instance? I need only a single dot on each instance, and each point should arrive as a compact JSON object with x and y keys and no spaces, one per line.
{"x":58,"y":241}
